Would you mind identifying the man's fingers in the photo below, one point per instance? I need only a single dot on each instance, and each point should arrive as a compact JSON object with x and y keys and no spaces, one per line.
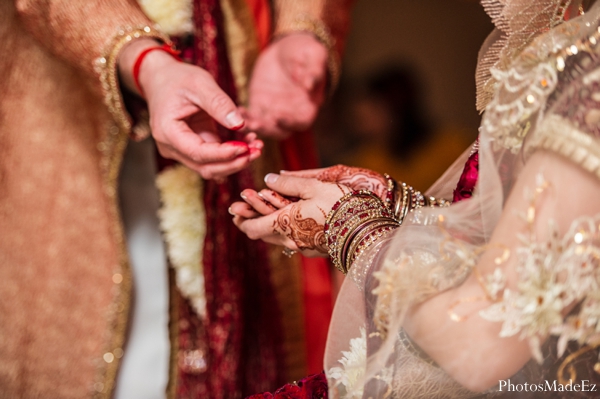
{"x":268,"y":126}
{"x":209,"y":137}
{"x":249,"y":138}
{"x":308,"y":66}
{"x":253,"y":142}
{"x":218,"y":170}
{"x":216,"y":103}
{"x":191,"y":146}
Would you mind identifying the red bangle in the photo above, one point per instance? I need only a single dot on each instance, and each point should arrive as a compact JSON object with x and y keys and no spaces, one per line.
{"x":138,"y":62}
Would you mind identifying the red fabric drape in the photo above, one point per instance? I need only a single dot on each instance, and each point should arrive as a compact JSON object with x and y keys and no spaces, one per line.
{"x":261,"y":13}
{"x":241,"y":340}
{"x":299,"y":152}
{"x":242,"y":337}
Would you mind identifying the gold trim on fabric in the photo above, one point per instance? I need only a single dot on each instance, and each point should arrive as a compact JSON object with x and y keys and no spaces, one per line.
{"x":112,"y":149}
{"x":106,"y":67}
{"x":174,"y":303}
{"x":242,"y":43}
{"x":557,"y":135}
{"x":516,"y":26}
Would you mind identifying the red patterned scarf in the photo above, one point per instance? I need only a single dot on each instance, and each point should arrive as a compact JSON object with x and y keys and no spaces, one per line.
{"x":241,"y":339}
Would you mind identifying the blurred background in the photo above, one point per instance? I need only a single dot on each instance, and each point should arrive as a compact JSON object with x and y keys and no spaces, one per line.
{"x":406,"y":100}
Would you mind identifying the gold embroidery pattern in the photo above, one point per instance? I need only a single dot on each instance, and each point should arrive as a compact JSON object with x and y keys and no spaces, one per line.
{"x":106,"y":67}
{"x":558,"y":135}
{"x":525,"y":88}
{"x":518,"y":22}
{"x":112,"y":148}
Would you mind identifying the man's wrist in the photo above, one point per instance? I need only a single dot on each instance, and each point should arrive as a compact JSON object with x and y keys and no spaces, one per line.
{"x":151,"y":61}
{"x":318,"y":30}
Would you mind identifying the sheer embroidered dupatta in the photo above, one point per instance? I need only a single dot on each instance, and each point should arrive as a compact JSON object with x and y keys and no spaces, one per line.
{"x":544,"y":112}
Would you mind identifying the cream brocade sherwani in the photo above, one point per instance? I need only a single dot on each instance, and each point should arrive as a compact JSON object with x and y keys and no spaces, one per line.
{"x":64,"y":279}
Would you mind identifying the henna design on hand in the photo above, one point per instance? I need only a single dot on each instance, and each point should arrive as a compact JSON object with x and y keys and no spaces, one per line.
{"x":323,"y":213}
{"x":356,"y":178}
{"x":266,"y":202}
{"x":279,"y":197}
{"x":307,"y":233}
{"x":341,"y":188}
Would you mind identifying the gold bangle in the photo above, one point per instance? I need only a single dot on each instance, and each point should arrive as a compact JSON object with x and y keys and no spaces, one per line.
{"x":407,"y":199}
{"x":348,"y":214}
{"x":367,"y":236}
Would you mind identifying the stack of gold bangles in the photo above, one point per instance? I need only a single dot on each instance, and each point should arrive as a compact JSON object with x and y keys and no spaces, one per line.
{"x":360,"y":218}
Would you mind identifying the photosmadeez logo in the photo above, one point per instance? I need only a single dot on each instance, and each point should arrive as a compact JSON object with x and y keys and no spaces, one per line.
{"x":547,"y":386}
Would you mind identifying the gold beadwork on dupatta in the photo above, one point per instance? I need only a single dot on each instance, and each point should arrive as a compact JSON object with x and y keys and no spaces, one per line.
{"x":519,"y":22}
{"x":559,"y":136}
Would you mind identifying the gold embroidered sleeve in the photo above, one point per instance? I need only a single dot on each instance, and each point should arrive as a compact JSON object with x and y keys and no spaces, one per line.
{"x":571,"y":128}
{"x":328,"y":20}
{"x":89,"y":36}
{"x":561,"y":136}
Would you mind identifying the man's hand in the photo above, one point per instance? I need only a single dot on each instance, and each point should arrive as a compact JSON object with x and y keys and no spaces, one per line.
{"x":287,"y":86}
{"x":184,"y":103}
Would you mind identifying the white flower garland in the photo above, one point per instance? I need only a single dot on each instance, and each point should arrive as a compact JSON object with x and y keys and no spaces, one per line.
{"x":183,"y":222}
{"x":354,"y":364}
{"x":173,"y":16}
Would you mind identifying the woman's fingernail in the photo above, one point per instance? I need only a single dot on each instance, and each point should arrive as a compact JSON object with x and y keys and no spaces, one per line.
{"x":243,"y":196}
{"x":271,"y":178}
{"x":234,"y":120}
{"x":230,"y":211}
{"x":283,"y":171}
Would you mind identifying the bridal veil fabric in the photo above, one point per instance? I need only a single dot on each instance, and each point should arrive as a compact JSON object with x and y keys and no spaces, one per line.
{"x":539,"y":82}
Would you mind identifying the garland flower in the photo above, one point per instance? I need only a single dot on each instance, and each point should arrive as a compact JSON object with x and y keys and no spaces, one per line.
{"x":354,"y":364}
{"x":173,"y":16}
{"x":183,"y":222}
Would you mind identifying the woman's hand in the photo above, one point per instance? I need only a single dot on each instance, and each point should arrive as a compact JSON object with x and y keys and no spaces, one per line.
{"x":185,"y":103}
{"x":355,"y":178}
{"x":277,"y":220}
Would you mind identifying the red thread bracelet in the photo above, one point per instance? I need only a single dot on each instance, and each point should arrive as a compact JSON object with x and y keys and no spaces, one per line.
{"x":138,"y":62}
